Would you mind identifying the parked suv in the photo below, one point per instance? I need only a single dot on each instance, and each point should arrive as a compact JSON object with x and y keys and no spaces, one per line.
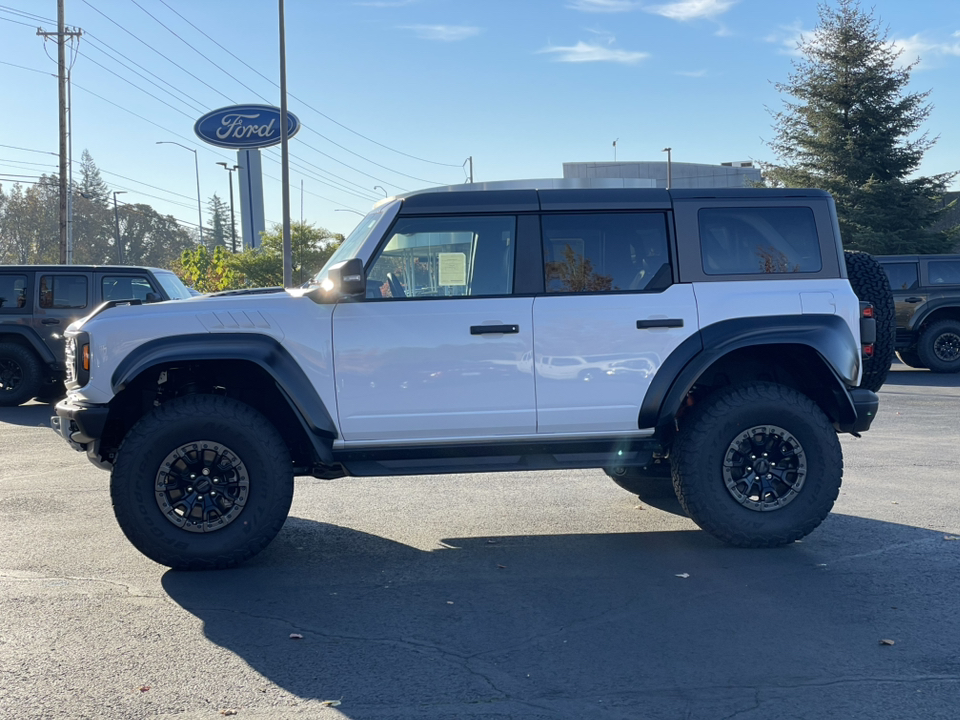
{"x":38,"y":302}
{"x":926,"y":292}
{"x":457,"y":330}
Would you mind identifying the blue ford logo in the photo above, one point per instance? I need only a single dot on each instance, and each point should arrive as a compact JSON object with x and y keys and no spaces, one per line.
{"x":244,"y":126}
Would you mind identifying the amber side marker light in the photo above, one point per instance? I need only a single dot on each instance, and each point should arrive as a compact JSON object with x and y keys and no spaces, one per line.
{"x":85,"y":355}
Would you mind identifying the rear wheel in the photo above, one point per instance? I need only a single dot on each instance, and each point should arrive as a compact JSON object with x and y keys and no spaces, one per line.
{"x":870,"y":283}
{"x":939,"y":346}
{"x":20,"y":374}
{"x":757,"y":465}
{"x":202,"y":482}
{"x":910,"y":357}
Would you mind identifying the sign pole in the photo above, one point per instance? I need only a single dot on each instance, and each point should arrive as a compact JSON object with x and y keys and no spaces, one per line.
{"x":284,"y":159}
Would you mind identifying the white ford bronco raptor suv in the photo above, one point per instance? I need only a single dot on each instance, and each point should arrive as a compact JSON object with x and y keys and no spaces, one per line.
{"x":708,"y":339}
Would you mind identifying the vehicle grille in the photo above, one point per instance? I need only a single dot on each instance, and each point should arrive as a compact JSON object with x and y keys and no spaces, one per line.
{"x":70,"y":359}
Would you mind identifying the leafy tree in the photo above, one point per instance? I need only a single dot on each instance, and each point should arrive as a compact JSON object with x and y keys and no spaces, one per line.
{"x":263,"y":267}
{"x":150,"y":238}
{"x":851,"y":129}
{"x":205,"y":271}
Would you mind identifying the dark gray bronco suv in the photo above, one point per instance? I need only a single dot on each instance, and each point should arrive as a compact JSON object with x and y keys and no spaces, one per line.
{"x":37,"y":302}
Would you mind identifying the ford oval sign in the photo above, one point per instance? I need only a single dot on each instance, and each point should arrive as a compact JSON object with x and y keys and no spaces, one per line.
{"x":243,"y":127}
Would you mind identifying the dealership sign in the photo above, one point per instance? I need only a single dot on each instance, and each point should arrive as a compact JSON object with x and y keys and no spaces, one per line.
{"x":243,"y":127}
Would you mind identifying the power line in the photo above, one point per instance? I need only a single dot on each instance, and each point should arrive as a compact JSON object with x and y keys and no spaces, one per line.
{"x":30,"y":16}
{"x":302,"y":102}
{"x":24,"y":67}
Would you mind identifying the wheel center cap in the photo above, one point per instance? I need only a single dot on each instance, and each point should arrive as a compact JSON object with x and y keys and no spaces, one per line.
{"x":762,"y":466}
{"x":204,"y":485}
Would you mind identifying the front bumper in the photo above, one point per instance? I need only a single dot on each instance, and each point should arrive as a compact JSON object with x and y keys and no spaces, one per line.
{"x":82,"y":427}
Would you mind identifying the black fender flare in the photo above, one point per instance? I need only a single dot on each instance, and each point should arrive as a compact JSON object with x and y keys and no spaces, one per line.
{"x":31,"y":336}
{"x":261,"y":350}
{"x":828,"y":335}
{"x":929,"y":308}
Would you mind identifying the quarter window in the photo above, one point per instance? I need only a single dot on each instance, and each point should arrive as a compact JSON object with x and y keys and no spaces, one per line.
{"x":61,"y":292}
{"x":902,"y":276}
{"x":753,"y":241}
{"x":605,"y":252}
{"x":13,"y":292}
{"x":126,"y":287}
{"x":445,"y":257}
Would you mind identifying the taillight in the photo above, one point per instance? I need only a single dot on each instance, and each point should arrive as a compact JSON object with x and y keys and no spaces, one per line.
{"x":868,"y":350}
{"x":868,"y":311}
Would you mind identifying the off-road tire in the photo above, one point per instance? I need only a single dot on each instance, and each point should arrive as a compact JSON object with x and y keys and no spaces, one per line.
{"x":910,"y":357}
{"x":707,"y":437}
{"x":21,"y":374}
{"x":939,"y":346}
{"x":220,"y":424}
{"x":870,"y":283}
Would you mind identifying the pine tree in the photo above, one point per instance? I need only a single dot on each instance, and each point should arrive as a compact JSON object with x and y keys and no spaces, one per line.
{"x":219,"y":233}
{"x":851,"y":129}
{"x":92,"y":187}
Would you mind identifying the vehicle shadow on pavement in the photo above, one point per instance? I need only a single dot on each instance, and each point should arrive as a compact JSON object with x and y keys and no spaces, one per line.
{"x":32,"y":414}
{"x":670,"y":623}
{"x":921,"y":378}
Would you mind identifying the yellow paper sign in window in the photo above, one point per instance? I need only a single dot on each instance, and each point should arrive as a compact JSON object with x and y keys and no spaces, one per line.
{"x":453,"y":268}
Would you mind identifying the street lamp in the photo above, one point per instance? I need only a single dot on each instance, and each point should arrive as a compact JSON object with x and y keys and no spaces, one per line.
{"x":233,"y":224}
{"x":348,"y":210}
{"x":669,"y":168}
{"x":385,"y":193}
{"x":197,"y":164}
{"x":116,"y":222}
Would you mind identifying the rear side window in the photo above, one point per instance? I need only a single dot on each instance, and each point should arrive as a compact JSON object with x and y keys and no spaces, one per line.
{"x":758,"y":241}
{"x":605,"y":252}
{"x":61,"y":292}
{"x":944,"y":272}
{"x":13,"y":292}
{"x":902,"y":276}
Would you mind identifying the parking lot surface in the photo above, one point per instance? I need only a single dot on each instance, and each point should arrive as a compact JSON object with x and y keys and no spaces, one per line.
{"x":538,"y":595}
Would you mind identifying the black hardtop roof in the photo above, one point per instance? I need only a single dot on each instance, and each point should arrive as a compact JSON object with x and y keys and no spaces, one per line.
{"x":86,"y":268}
{"x":916,"y":258}
{"x":461,"y":198}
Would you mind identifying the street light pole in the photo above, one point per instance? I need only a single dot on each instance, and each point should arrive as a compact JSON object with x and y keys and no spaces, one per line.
{"x":233,"y":224}
{"x":196,"y":163}
{"x":285,"y":159}
{"x":116,"y":221}
{"x":669,"y":168}
{"x":385,"y":193}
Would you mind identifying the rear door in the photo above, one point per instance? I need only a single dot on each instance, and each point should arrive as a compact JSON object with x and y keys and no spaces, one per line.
{"x":61,"y":298}
{"x":908,"y":296}
{"x":609,"y":317}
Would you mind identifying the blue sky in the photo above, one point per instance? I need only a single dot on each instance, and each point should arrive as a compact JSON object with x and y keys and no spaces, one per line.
{"x":398,"y":93}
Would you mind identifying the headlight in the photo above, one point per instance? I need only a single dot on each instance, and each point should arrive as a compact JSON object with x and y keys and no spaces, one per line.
{"x":77,"y":359}
{"x":70,"y":359}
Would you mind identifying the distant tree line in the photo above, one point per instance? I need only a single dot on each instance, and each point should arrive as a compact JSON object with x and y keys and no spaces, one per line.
{"x":30,"y":234}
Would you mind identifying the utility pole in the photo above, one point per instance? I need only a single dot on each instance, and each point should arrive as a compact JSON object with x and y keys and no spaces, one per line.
{"x":470,"y":176}
{"x":285,"y":159}
{"x":62,"y":34}
{"x":116,"y":221}
{"x":233,"y":224}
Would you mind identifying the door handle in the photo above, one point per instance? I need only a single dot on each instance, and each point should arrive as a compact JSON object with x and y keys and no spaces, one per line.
{"x":913,"y":299}
{"x":50,"y":321}
{"x":660,"y":323}
{"x":494,"y":329}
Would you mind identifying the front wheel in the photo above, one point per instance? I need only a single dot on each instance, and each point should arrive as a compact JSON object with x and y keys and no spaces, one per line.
{"x":757,"y":465}
{"x":910,"y":357}
{"x":202,"y":482}
{"x":939,"y":346}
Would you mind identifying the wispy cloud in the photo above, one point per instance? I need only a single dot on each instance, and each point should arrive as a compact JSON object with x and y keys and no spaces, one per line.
{"x":594,"y":52}
{"x":603,"y":6}
{"x":788,"y":38}
{"x":931,"y":52}
{"x":443,"y":33}
{"x":684,"y":10}
{"x":691,"y":73}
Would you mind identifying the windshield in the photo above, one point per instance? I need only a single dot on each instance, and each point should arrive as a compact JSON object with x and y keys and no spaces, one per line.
{"x":173,"y":286}
{"x":349,"y":247}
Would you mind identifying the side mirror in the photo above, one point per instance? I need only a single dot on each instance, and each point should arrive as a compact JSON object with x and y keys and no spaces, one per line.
{"x":344,"y":280}
{"x":153,"y":297}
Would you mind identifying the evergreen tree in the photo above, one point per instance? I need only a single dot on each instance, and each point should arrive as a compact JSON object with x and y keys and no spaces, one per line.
{"x":851,"y":129}
{"x":219,"y":228}
{"x":91,"y":184}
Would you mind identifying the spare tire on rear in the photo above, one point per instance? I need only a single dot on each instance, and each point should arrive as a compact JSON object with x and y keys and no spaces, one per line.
{"x":870,"y":284}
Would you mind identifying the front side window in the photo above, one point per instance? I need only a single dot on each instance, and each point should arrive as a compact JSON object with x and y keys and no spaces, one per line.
{"x":62,"y":292}
{"x":126,"y":287}
{"x":944,"y":272}
{"x":445,"y":257}
{"x":753,"y":241}
{"x":902,"y":276}
{"x":13,"y":292}
{"x":605,"y":252}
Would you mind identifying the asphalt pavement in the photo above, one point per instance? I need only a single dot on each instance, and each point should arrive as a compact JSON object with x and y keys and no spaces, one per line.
{"x":521,"y":595}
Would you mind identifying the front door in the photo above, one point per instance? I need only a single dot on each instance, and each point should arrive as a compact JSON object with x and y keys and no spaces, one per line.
{"x":440,"y":349}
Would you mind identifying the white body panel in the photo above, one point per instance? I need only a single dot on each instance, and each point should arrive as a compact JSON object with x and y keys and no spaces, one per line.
{"x":593,"y":365}
{"x":719,"y":301}
{"x":411,"y":369}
